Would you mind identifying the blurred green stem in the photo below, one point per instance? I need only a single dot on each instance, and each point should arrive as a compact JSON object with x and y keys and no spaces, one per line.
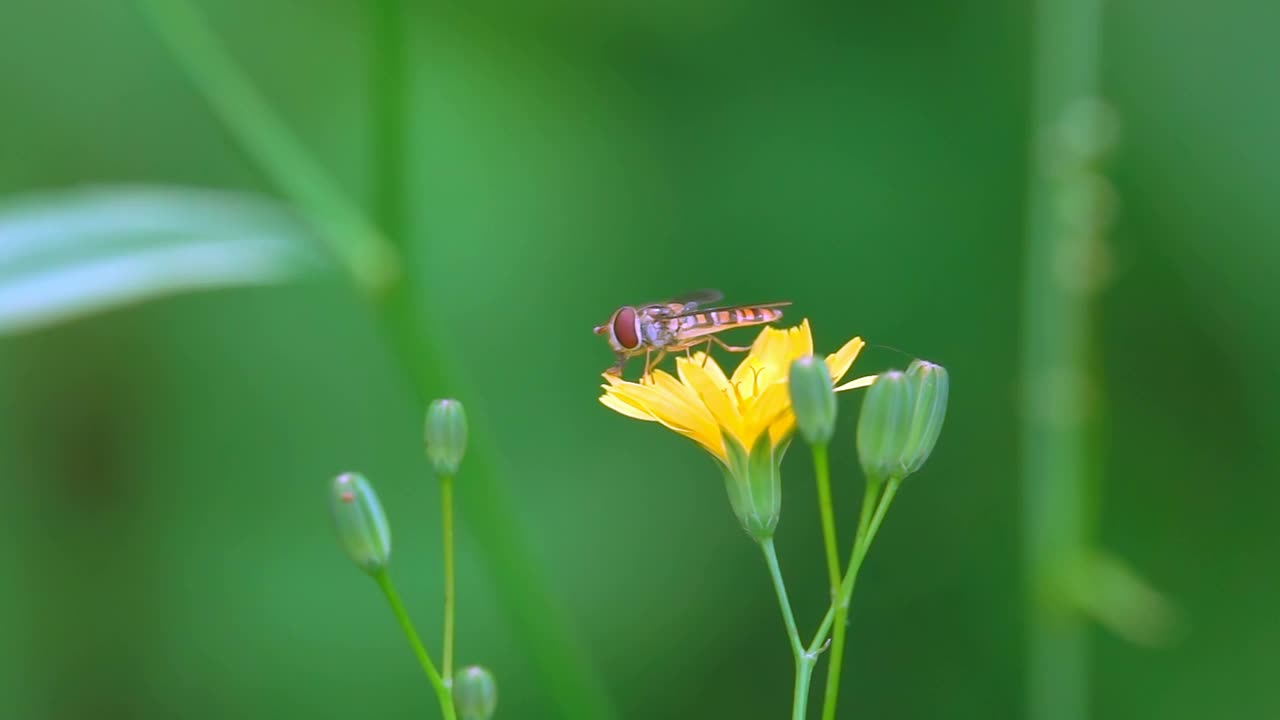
{"x":428,"y":667}
{"x":446,"y":525}
{"x":390,"y":139}
{"x":804,"y":661}
{"x":562,"y":669}
{"x":1056,"y":341}
{"x":352,"y":238}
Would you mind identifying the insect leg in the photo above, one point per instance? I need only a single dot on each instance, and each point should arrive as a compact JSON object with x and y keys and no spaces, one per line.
{"x":648,"y":368}
{"x":730,"y":348}
{"x":706,"y":353}
{"x":617,"y":367}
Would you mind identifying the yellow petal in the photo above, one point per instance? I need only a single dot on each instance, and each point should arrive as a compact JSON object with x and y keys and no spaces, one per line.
{"x":767,"y":408}
{"x":715,"y":446}
{"x":800,"y":339}
{"x":664,"y":382}
{"x":769,"y":345}
{"x":624,"y":407}
{"x":791,"y":344}
{"x":861,"y":382}
{"x":712,"y":443}
{"x":781,"y":428}
{"x":713,"y":397}
{"x":670,"y":410}
{"x":839,"y":362}
{"x":714,"y":372}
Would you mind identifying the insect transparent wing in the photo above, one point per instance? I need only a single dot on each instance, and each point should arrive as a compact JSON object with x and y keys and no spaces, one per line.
{"x":749,"y":306}
{"x":703,"y":297}
{"x":681,"y":304}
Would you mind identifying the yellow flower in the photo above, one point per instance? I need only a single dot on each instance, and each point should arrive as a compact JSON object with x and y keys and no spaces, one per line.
{"x":707,"y":406}
{"x":745,"y":421}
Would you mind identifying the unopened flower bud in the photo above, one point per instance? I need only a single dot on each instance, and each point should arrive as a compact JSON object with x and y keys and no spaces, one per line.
{"x":884,"y":425}
{"x":813,"y":400}
{"x":930,"y":385}
{"x":361,"y":525}
{"x":475,"y":694}
{"x":446,"y":436}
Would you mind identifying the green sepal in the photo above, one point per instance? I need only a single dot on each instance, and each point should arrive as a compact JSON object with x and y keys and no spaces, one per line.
{"x":754,"y":483}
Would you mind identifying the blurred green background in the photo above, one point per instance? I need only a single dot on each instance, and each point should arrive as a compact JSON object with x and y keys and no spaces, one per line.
{"x":166,"y":547}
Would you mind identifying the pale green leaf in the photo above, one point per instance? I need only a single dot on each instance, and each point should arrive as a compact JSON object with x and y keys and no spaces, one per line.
{"x":71,"y":253}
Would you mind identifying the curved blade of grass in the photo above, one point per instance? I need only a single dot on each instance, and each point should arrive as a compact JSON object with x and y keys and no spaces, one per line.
{"x":71,"y":253}
{"x":351,"y":236}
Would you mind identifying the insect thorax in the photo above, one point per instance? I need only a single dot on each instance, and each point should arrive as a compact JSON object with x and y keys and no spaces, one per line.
{"x":658,"y":332}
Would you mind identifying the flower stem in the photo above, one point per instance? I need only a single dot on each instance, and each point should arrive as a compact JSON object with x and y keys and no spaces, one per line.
{"x":800,"y":698}
{"x":822,"y":470}
{"x":868,"y":525}
{"x":804,"y":661}
{"x":450,"y":599}
{"x":780,"y":587}
{"x":397,"y":608}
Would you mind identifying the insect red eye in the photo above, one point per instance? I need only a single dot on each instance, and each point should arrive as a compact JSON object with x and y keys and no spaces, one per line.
{"x":624,"y":328}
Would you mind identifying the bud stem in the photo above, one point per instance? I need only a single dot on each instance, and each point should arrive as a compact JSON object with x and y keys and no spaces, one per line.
{"x":822,"y":469}
{"x":450,"y":598}
{"x":868,"y":525}
{"x":397,"y":609}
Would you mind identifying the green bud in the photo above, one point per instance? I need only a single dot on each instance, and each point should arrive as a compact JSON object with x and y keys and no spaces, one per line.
{"x":929,"y":389}
{"x":475,"y":694}
{"x":884,"y":425}
{"x":754,"y":483}
{"x":813,"y":400}
{"x":446,"y":436}
{"x":361,"y":525}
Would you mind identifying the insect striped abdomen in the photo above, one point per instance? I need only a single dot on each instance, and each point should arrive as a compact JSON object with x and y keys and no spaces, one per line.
{"x":706,"y":323}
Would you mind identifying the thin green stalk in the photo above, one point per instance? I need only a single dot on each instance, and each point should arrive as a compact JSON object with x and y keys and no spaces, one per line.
{"x":446,"y":523}
{"x":389,"y":80}
{"x":561,"y":665}
{"x":542,"y":630}
{"x":867,"y":530}
{"x":870,"y":498}
{"x":820,"y":636}
{"x":804,"y":661}
{"x":1057,"y":338}
{"x":428,"y":667}
{"x":822,"y":471}
{"x":353,"y":239}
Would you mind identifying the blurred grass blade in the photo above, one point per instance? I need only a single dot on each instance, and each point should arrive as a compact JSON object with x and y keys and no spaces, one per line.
{"x":1110,"y":591}
{"x":351,"y":237}
{"x":71,"y":253}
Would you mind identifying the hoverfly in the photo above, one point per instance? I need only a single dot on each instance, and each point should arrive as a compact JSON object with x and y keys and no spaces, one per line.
{"x":678,"y":324}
